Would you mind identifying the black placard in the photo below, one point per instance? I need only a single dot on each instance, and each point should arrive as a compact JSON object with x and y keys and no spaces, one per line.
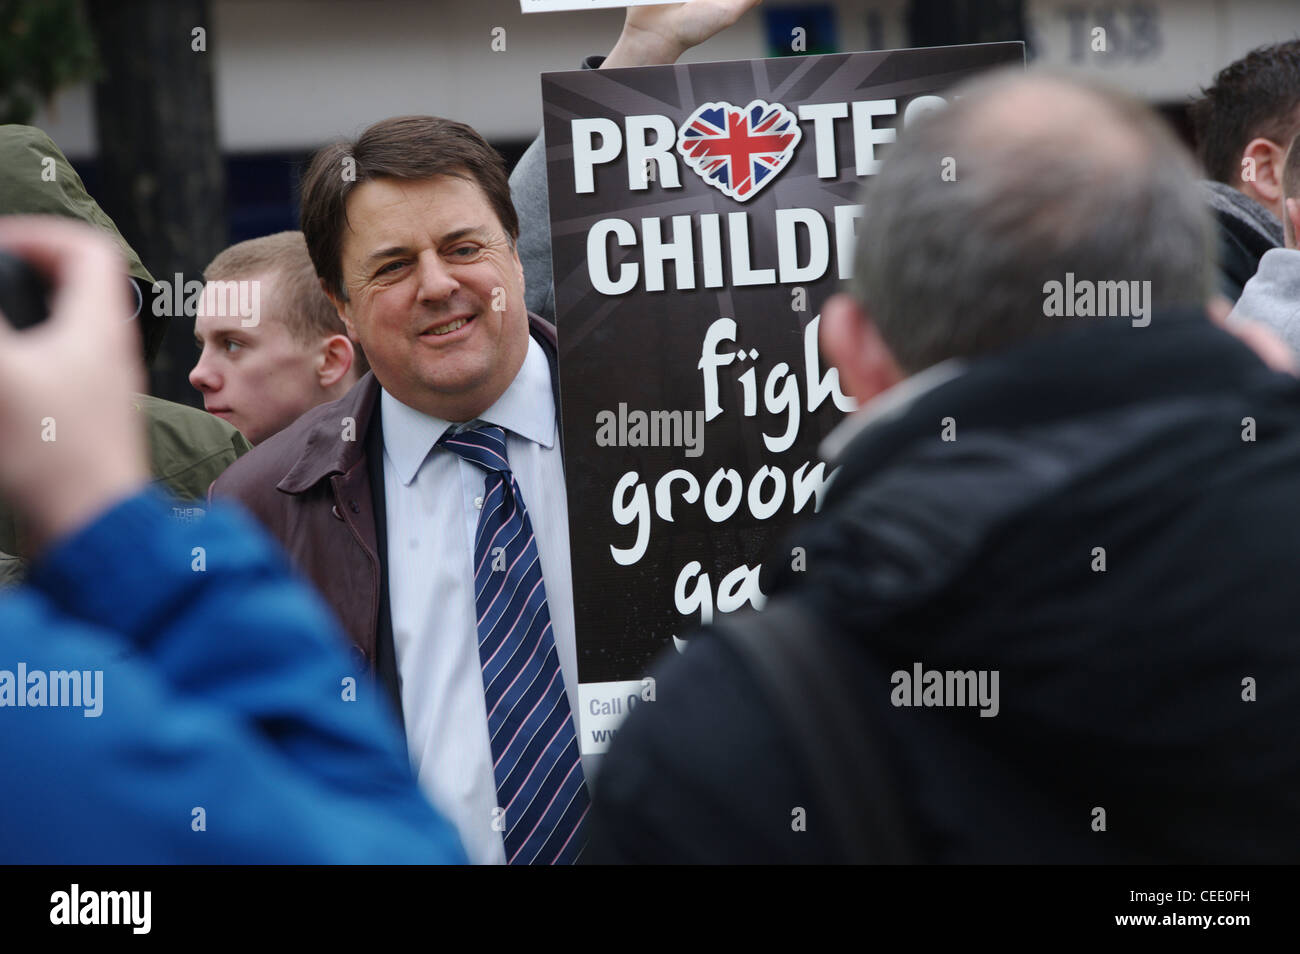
{"x":745,"y":177}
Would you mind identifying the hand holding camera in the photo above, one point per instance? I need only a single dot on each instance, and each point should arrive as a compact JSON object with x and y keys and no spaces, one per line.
{"x":70,"y":445}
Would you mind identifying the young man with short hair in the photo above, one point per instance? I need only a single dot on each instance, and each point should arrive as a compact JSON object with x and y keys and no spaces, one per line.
{"x":263,"y":369}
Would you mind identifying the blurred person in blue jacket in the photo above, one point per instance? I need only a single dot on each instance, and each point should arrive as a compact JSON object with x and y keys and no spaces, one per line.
{"x":168,"y":691}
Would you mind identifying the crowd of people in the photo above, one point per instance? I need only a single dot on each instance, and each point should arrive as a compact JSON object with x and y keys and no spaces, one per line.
{"x":364,"y":649}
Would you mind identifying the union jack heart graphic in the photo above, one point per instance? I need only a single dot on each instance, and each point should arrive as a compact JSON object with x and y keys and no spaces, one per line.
{"x":739,"y":151}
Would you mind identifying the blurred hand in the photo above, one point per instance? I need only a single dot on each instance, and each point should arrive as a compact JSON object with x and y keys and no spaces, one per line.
{"x":659,"y":34}
{"x":70,"y":445}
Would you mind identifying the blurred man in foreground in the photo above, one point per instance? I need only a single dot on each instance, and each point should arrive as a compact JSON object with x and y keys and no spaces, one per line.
{"x":1040,"y":577}
{"x":194,"y":696}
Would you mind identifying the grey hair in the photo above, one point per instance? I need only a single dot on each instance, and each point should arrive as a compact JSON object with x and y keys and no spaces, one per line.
{"x":957,"y":268}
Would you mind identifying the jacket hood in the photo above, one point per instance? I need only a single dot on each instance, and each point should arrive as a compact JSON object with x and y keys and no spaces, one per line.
{"x":31,"y":185}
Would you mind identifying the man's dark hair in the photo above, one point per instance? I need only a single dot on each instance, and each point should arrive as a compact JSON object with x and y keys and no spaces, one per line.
{"x":409,"y":148}
{"x":1257,"y":96}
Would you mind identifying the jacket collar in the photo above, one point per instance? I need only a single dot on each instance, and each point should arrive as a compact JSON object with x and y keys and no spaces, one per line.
{"x":324,"y":453}
{"x":1066,"y":375}
{"x":887,"y":405}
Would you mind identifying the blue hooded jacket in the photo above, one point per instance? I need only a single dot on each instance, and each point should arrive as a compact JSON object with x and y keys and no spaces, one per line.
{"x":210,"y":713}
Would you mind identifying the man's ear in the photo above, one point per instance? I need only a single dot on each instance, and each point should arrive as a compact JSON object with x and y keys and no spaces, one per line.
{"x":1261,"y":173}
{"x":344,"y":308}
{"x":334,"y":360}
{"x":852,"y":344}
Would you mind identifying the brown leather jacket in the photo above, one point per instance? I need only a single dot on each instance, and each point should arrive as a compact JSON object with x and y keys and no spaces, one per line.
{"x":317,"y":486}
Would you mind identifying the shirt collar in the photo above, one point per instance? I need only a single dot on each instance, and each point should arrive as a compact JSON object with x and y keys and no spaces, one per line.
{"x":888,"y":404}
{"x":527,"y":408}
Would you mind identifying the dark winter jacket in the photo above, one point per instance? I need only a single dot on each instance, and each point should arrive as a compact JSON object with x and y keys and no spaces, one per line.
{"x":205,"y":717}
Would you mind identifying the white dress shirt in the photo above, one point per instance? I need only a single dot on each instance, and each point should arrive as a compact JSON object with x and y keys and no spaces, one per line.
{"x":433,"y":499}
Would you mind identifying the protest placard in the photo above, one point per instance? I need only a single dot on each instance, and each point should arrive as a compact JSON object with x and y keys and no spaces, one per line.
{"x":700,"y":215}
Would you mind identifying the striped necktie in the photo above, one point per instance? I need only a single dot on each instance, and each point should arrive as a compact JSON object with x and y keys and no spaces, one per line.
{"x":534,"y":748}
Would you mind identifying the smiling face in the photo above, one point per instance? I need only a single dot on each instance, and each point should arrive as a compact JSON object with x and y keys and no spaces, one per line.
{"x":435,"y":293}
{"x":259,"y":378}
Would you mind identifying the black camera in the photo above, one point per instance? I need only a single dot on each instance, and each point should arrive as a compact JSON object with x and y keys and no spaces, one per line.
{"x":24,"y":294}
